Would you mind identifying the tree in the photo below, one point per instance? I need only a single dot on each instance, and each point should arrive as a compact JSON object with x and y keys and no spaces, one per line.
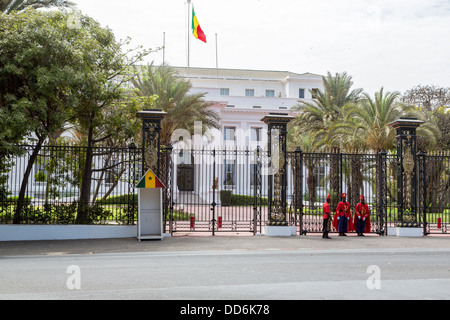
{"x":75,"y":75}
{"x":38,"y":74}
{"x":326,"y":112}
{"x":430,"y":104}
{"x":182,"y":107}
{"x":367,"y":123}
{"x":328,"y":105}
{"x":8,"y":6}
{"x":97,"y":115}
{"x":308,"y":144}
{"x":427,"y":97}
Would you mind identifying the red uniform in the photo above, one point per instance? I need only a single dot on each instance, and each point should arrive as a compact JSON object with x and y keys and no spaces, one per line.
{"x":326,"y":218}
{"x":326,"y":210}
{"x":362,"y":212}
{"x":343,"y":212}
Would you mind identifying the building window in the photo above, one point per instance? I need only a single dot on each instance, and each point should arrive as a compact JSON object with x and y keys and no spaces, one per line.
{"x":320,"y":173}
{"x":270,"y":93}
{"x":229,"y":172}
{"x":314,"y":93}
{"x":249,"y":92}
{"x":252,"y":174}
{"x":301,"y":93}
{"x":40,"y":171}
{"x":224,"y":91}
{"x":229,"y":133}
{"x":255,"y":134}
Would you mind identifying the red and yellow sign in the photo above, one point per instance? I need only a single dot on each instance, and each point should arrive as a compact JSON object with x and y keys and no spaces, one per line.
{"x":150,"y":181}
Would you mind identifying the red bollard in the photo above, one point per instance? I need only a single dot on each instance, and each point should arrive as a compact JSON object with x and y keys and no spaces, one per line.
{"x":439,"y":223}
{"x":220,"y":222}
{"x":192,"y":222}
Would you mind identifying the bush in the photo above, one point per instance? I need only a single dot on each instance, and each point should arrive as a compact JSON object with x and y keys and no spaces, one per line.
{"x":179,"y":215}
{"x":13,"y":200}
{"x":120,"y":199}
{"x":225,"y":197}
{"x":243,"y":200}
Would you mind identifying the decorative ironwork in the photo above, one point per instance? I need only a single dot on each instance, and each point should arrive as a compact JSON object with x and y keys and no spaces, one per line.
{"x":277,"y":131}
{"x":257,"y":186}
{"x":151,"y":139}
{"x":381,"y":190}
{"x":407,"y":171}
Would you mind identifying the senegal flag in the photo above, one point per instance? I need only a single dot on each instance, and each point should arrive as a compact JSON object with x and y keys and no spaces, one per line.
{"x":196,"y":30}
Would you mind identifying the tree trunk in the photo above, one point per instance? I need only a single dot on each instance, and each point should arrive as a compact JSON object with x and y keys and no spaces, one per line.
{"x":23,"y":187}
{"x":335,"y":185}
{"x":85,"y":191}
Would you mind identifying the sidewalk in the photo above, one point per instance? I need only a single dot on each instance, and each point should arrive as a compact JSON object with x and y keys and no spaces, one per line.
{"x":209,"y":243}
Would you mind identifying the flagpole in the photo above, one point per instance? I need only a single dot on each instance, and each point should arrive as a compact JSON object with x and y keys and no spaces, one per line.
{"x":188,"y":37}
{"x":164,"y":48}
{"x":217,"y":64}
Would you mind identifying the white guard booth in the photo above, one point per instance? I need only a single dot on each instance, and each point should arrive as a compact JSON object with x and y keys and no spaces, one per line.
{"x":150,"y":207}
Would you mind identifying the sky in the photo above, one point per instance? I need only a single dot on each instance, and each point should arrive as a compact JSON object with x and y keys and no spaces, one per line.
{"x":395,"y":44}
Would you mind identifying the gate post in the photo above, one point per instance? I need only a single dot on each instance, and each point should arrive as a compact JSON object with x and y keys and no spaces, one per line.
{"x":381,"y":192}
{"x":298,"y":188}
{"x":422,"y":158}
{"x":277,"y":151}
{"x":407,"y":213}
{"x":257,"y":189}
{"x":151,"y":139}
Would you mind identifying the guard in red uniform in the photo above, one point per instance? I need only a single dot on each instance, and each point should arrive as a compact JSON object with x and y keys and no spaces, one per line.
{"x":326,"y":218}
{"x":362,"y":217}
{"x":343,"y":218}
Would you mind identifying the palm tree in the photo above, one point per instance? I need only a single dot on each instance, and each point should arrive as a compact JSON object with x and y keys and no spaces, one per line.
{"x":367,"y":123}
{"x":309,"y":144}
{"x":182,"y":107}
{"x":326,"y":111}
{"x":7,"y":6}
{"x":327,"y":106}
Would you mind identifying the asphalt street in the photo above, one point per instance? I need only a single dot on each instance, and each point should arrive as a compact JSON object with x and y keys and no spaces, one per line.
{"x":228,"y":268}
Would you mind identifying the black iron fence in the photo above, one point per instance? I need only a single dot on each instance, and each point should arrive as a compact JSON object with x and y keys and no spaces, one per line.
{"x":214,"y":190}
{"x":45,"y":187}
{"x":434,"y":192}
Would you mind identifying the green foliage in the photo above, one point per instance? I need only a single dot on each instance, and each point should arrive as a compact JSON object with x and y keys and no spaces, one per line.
{"x":120,"y":199}
{"x":225,"y":197}
{"x":174,"y":98}
{"x":244,"y":200}
{"x":27,"y":200}
{"x":8,"y":6}
{"x":179,"y":215}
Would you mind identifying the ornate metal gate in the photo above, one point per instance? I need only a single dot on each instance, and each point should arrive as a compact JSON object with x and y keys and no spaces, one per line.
{"x":237,"y":190}
{"x":318,"y":174}
{"x":226,"y":185}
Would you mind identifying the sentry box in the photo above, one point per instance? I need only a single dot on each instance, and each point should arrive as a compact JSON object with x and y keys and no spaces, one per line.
{"x":150,"y":207}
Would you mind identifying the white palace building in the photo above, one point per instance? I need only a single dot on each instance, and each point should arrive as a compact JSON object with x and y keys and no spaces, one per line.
{"x":243,"y":97}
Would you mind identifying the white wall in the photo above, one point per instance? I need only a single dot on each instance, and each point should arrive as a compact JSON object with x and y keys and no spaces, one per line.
{"x":64,"y":232}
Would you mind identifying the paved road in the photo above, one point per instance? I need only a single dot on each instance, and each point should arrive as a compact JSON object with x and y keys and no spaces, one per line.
{"x":224,"y":268}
